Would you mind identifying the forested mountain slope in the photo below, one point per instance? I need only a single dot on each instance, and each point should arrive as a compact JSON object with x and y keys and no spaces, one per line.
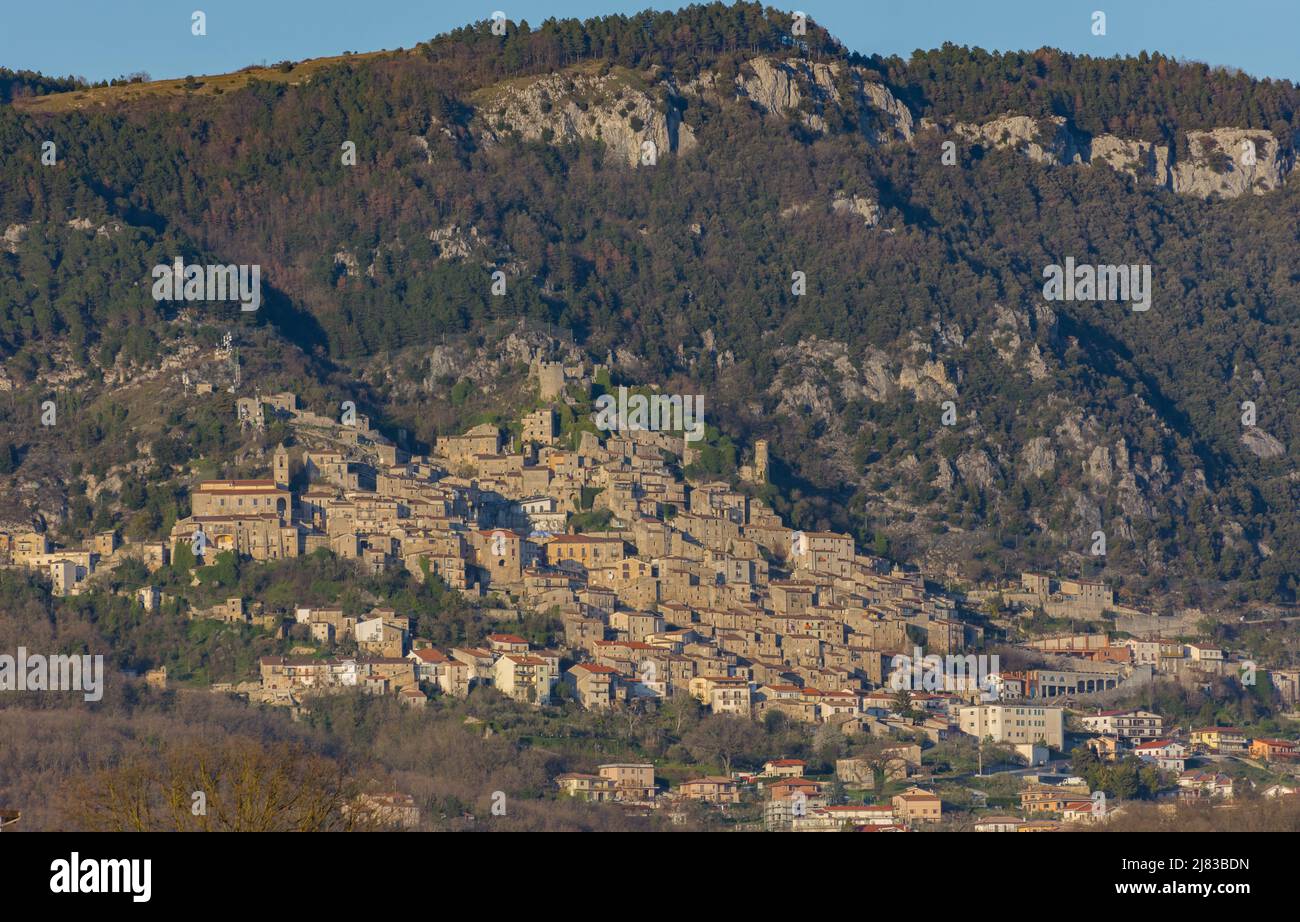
{"x":922,"y":200}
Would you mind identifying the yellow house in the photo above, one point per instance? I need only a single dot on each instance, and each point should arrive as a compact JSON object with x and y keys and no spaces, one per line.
{"x":633,"y":781}
{"x":1220,"y":739}
{"x":712,"y":790}
{"x":587,"y":787}
{"x":917,"y":805}
{"x":1046,"y":800}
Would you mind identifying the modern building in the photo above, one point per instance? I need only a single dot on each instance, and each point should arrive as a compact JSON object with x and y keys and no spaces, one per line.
{"x":1014,"y":724}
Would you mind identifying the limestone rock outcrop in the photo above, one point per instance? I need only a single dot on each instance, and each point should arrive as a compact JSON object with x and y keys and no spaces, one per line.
{"x":613,"y":109}
{"x":1230,"y":162}
{"x":1220,"y":163}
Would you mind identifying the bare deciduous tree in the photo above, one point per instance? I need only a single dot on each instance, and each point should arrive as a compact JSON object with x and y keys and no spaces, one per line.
{"x":235,"y":785}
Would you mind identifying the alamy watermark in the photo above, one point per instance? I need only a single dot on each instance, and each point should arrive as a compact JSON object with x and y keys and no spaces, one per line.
{"x":103,"y":875}
{"x":1073,"y":282}
{"x":934,"y":673}
{"x":655,"y":413}
{"x":37,"y":672}
{"x":181,"y":282}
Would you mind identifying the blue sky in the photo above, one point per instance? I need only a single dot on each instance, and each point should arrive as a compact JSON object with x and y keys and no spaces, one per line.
{"x":98,"y":39}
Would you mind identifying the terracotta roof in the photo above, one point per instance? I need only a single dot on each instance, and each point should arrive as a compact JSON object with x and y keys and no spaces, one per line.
{"x":711,"y":779}
{"x":521,"y":659}
{"x":209,"y":485}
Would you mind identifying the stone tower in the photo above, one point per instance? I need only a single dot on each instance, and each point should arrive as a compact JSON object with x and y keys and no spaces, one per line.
{"x":760,"y":460}
{"x":550,"y":379}
{"x":281,"y":468}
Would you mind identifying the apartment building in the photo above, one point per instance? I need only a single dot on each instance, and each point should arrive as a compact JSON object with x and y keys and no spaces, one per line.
{"x":1014,"y":724}
{"x":1126,"y":725}
{"x":525,"y":677}
{"x":634,"y":782}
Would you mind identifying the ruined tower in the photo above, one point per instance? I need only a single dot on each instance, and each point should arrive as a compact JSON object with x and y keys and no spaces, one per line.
{"x":550,"y":379}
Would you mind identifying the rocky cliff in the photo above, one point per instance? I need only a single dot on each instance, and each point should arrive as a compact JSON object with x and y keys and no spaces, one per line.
{"x":793,"y":85}
{"x":617,"y":108}
{"x":625,"y":110}
{"x":1221,"y":163}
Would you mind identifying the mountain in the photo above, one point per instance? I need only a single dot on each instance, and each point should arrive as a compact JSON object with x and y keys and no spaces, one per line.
{"x":649,"y":186}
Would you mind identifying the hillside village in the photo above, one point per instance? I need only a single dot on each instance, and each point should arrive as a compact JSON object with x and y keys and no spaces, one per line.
{"x":687,"y":587}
